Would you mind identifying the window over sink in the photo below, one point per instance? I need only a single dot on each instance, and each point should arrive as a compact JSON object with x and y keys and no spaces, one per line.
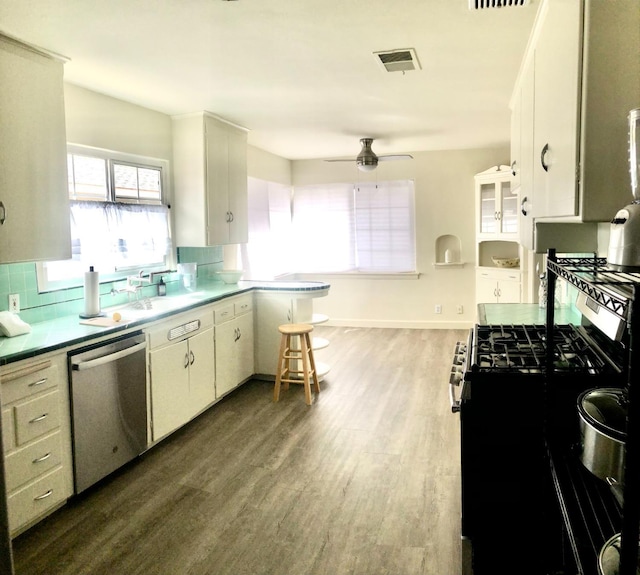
{"x":119,"y":212}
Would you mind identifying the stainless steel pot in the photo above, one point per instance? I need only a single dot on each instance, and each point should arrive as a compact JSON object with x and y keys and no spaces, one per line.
{"x":609,"y":558}
{"x":603,"y":422}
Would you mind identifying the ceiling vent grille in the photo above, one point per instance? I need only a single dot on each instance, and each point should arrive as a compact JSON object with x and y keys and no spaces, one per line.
{"x":398,"y":60}
{"x":480,"y":4}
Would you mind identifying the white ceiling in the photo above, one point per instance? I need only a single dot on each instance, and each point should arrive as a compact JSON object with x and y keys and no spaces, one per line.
{"x":299,"y":74}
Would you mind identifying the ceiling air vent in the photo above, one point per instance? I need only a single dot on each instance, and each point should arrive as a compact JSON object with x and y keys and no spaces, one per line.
{"x":480,"y":4}
{"x":398,"y":60}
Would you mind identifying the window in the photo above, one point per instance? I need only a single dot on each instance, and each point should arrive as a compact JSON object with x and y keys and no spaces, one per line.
{"x":119,"y":217}
{"x":345,"y":228}
{"x":266,"y":254}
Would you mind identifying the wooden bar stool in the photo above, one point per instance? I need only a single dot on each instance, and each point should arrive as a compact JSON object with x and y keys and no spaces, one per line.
{"x":290,"y":359}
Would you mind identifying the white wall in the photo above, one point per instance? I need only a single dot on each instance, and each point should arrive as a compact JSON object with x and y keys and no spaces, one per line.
{"x":444,"y":188}
{"x":100,"y":121}
{"x":444,"y":205}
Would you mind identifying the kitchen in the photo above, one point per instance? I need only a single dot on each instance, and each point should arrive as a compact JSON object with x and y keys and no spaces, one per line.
{"x":405,"y":303}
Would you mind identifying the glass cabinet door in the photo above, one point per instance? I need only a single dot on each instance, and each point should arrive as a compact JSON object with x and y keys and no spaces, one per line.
{"x":508,"y":216}
{"x":488,"y":209}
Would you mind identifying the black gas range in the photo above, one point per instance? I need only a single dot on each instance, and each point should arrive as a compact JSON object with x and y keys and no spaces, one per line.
{"x":516,"y":397}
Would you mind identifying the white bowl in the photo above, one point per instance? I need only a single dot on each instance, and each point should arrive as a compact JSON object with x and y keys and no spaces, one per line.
{"x":230,"y":276}
{"x":506,"y":262}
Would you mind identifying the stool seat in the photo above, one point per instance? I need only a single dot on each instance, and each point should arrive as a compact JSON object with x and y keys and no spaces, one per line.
{"x":295,"y":328}
{"x":290,"y":358}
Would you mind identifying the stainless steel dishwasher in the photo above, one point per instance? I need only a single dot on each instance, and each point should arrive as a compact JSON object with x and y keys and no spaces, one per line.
{"x":109,"y":407}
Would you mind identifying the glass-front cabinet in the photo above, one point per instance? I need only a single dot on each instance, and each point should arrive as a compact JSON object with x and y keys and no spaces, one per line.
{"x":497,"y":204}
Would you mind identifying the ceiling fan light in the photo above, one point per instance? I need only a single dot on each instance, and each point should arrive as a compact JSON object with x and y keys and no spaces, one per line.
{"x":366,"y":167}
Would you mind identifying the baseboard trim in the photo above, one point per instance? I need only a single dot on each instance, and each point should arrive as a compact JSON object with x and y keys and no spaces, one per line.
{"x":395,"y":324}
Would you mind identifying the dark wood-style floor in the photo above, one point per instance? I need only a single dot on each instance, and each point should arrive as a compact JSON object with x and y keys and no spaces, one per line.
{"x":365,"y":481}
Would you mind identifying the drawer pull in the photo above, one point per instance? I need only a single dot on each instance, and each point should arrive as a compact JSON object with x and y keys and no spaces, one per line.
{"x":39,"y":382}
{"x":41,"y":459}
{"x":44,"y":495}
{"x":39,"y":418}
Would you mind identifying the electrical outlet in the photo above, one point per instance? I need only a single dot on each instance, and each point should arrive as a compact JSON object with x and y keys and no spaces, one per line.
{"x":14,"y":302}
{"x":459,"y":309}
{"x":438,"y":308}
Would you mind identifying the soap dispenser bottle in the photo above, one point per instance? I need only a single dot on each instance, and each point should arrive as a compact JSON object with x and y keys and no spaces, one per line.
{"x":162,"y":287}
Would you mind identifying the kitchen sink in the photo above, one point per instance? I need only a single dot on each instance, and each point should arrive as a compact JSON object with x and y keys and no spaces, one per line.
{"x":150,"y":306}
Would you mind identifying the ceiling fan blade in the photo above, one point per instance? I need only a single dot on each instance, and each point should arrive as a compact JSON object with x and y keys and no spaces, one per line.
{"x":388,"y":157}
{"x":342,"y":160}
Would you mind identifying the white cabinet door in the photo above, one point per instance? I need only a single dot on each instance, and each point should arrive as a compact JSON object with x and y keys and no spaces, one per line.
{"x":237,"y":187}
{"x":557,"y":98}
{"x":202,"y":391}
{"x":226,"y":183}
{"x":34,"y":199}
{"x":509,"y":291}
{"x":497,"y":286}
{"x":271,"y":312}
{"x":210,"y":175}
{"x":526,"y":199}
{"x":170,"y":404}
{"x":234,"y":353}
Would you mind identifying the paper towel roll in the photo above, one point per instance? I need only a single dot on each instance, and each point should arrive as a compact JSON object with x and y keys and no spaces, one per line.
{"x":91,"y":293}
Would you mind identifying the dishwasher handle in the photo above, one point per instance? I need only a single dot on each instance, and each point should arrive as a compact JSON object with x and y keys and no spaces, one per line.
{"x":82,"y":365}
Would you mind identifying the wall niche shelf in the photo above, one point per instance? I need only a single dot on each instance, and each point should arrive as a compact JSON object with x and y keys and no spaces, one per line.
{"x":448,"y":250}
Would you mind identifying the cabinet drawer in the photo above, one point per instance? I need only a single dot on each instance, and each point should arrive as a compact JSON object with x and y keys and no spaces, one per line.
{"x":28,"y":463}
{"x":179,"y":327}
{"x":36,"y":499}
{"x":36,"y":417}
{"x":224,"y":313}
{"x":8,"y":439}
{"x":27,"y":380}
{"x":243,"y":305}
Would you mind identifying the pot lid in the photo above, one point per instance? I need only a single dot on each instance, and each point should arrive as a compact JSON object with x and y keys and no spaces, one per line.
{"x":609,"y":559}
{"x":606,"y":408}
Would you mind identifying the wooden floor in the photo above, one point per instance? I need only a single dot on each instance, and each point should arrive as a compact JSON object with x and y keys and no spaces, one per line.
{"x":365,"y":481}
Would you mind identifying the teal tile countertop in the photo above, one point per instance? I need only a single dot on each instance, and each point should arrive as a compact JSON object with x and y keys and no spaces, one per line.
{"x":524,"y":314}
{"x":64,"y":332}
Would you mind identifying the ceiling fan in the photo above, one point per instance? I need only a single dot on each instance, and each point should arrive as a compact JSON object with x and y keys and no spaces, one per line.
{"x":367,"y":160}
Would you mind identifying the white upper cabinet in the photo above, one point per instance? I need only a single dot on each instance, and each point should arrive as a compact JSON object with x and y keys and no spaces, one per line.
{"x":210,"y":174}
{"x":556,"y":97}
{"x":583,"y":64}
{"x":34,"y":199}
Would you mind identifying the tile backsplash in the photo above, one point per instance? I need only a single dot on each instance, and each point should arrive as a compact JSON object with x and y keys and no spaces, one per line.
{"x":20,"y":278}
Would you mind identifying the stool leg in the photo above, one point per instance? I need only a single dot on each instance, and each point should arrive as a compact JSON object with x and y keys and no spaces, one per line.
{"x":286,"y":370}
{"x":312,"y":361}
{"x":305,"y":368}
{"x":281,"y":363}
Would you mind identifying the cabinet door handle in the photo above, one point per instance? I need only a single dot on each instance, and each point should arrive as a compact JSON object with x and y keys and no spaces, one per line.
{"x":39,"y":418}
{"x":44,"y":495}
{"x":498,"y":216}
{"x":523,"y":210}
{"x":3,"y":214}
{"x":42,"y":458}
{"x":543,"y":155}
{"x":39,"y":382}
{"x":186,"y":360}
{"x":231,"y":214}
{"x":193,"y":358}
{"x":513,"y":168}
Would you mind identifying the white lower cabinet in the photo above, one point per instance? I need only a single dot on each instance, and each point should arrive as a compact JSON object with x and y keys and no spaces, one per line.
{"x":36,"y":439}
{"x":182,"y":370}
{"x":234,"y":343}
{"x":498,"y":286}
